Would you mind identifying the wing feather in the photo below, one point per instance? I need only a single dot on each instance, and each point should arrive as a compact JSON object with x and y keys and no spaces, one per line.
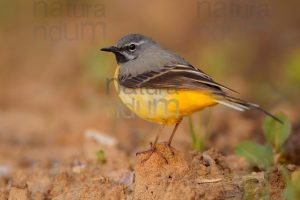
{"x":177,"y":76}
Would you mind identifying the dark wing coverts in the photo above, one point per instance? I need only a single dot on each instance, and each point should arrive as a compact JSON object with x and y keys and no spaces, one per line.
{"x":180,"y":77}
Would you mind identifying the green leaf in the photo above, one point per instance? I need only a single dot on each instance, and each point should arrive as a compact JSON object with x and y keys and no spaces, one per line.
{"x":258,"y":155}
{"x":275,"y":132}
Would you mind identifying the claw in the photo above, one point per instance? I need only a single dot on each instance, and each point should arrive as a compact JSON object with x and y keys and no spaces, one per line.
{"x":172,"y":149}
{"x":150,"y":153}
{"x":151,"y":150}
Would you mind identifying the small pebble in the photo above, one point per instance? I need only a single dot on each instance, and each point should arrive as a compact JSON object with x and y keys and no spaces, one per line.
{"x":5,"y":170}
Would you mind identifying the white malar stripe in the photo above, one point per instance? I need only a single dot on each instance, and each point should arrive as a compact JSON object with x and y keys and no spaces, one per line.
{"x":231,"y":106}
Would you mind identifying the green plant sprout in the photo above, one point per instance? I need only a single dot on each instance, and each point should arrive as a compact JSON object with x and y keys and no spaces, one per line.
{"x":197,"y":142}
{"x":265,"y":156}
{"x":199,"y":133}
{"x":101,"y":157}
{"x":268,"y":155}
{"x":292,"y":190}
{"x":275,"y":133}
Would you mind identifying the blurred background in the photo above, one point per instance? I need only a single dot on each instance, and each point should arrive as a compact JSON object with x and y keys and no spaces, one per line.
{"x":53,"y":78}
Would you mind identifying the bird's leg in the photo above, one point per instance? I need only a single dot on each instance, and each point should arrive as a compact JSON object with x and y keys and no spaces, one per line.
{"x":172,"y":135}
{"x":153,"y":147}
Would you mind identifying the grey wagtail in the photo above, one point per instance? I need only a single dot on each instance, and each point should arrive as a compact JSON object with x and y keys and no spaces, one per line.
{"x":162,"y":87}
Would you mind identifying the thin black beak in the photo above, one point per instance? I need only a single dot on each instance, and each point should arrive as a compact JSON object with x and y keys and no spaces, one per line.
{"x":111,"y":49}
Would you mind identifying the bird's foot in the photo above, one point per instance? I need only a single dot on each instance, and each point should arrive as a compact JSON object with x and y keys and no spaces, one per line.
{"x":172,"y":149}
{"x":150,"y":152}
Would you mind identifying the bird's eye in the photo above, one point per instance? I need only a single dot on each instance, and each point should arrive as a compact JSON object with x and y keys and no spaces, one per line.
{"x":132,"y":47}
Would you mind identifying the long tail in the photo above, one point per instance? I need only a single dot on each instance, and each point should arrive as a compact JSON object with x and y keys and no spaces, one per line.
{"x":242,"y":105}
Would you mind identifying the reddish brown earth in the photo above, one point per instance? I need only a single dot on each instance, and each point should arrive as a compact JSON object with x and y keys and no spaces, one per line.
{"x":167,"y":174}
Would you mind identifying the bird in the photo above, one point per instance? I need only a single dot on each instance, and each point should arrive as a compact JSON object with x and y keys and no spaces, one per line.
{"x":160,"y":86}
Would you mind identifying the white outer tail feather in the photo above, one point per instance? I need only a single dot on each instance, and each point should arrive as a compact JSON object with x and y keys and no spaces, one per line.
{"x":235,"y":106}
{"x":241,"y":105}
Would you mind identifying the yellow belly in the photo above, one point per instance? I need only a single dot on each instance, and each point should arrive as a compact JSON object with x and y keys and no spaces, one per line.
{"x":164,"y":106}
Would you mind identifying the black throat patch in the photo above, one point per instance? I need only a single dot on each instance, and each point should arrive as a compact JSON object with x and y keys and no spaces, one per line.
{"x":121,"y":58}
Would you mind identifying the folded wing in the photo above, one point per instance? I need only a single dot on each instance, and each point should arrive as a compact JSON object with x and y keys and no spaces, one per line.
{"x":180,"y":77}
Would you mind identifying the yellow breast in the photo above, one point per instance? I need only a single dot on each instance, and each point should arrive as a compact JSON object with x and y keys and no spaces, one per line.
{"x":161,"y":105}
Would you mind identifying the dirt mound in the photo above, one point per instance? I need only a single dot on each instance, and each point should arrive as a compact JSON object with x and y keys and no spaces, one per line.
{"x":167,"y":174}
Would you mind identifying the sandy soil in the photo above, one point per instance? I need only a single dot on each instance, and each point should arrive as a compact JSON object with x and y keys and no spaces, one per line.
{"x":167,"y":174}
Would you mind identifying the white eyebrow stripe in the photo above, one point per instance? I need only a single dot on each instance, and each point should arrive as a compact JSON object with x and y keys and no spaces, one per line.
{"x":137,"y":43}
